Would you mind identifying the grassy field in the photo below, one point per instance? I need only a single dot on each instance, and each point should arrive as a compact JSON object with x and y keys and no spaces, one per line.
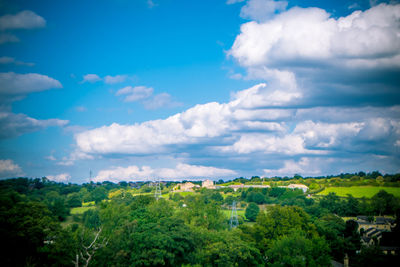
{"x":360,"y":191}
{"x":81,"y":210}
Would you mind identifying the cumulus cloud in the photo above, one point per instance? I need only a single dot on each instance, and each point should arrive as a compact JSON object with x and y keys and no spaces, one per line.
{"x":13,"y":125}
{"x":251,"y":125}
{"x":195,"y":125}
{"x":181,"y":171}
{"x":62,"y":177}
{"x":16,"y":84}
{"x":311,"y":35}
{"x":22,"y":20}
{"x":260,"y":10}
{"x":9,"y":169}
{"x":299,"y":117}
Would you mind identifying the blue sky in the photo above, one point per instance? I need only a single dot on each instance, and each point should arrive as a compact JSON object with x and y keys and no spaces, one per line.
{"x":136,"y":90}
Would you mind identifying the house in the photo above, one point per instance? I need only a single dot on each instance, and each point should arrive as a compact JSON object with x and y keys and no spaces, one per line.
{"x":185,"y":187}
{"x":208,"y":184}
{"x":298,"y":186}
{"x":383,"y":223}
{"x":390,"y":243}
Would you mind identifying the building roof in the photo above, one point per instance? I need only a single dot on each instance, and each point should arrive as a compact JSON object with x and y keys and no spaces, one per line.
{"x":297,"y":186}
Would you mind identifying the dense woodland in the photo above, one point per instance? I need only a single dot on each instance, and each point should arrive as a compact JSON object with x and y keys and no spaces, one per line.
{"x":125,"y":225}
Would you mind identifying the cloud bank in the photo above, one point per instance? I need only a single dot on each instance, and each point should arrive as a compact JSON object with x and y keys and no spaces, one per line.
{"x":327,"y":95}
{"x":181,"y":171}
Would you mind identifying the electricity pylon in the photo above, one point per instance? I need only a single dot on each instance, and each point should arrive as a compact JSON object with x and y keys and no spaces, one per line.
{"x":234,"y":218}
{"x":157,"y":192}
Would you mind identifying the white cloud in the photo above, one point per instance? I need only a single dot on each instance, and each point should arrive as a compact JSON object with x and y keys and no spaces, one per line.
{"x":269,"y":144}
{"x":108,"y":79}
{"x":260,"y":10}
{"x":11,"y":60}
{"x":326,"y":135}
{"x":311,"y":34}
{"x":195,"y":125}
{"x":145,"y":96}
{"x":22,"y":20}
{"x":136,"y":93}
{"x":91,"y":78}
{"x":262,"y":95}
{"x":305,"y":166}
{"x":51,"y":157}
{"x":151,"y":4}
{"x":13,"y":125}
{"x":181,"y":171}
{"x":74,"y":156}
{"x":9,"y":169}
{"x":230,"y":2}
{"x":14,"y":84}
{"x":115,"y":79}
{"x":8,"y":38}
{"x":63,"y":177}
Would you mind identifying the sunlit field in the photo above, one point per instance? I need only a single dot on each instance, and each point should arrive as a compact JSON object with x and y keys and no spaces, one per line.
{"x":360,"y":191}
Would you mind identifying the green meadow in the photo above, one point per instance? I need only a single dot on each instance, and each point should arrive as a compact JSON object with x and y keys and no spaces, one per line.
{"x":227,"y":213}
{"x":81,"y":210}
{"x":360,"y":191}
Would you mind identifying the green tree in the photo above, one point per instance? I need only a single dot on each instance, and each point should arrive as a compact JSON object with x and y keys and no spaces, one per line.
{"x":252,"y":211}
{"x":98,"y":194}
{"x":226,"y":248}
{"x":332,"y":228}
{"x":91,"y":219}
{"x":384,"y":203}
{"x":296,"y":250}
{"x":74,"y":200}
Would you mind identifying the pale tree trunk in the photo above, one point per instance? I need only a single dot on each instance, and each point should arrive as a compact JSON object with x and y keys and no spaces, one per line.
{"x":87,"y":252}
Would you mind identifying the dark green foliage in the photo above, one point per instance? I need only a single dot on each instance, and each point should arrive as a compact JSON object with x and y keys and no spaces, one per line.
{"x":91,"y":219}
{"x":384,"y":203}
{"x":175,"y":197}
{"x":296,"y":249}
{"x":352,"y":237}
{"x":294,"y":230}
{"x":277,"y":191}
{"x":226,"y":248}
{"x":24,"y":227}
{"x":332,"y":228}
{"x":256,"y":197}
{"x":98,"y":194}
{"x":252,"y":211}
{"x":74,"y":200}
